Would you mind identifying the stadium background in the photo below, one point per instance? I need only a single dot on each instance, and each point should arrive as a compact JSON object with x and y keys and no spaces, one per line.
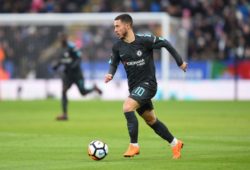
{"x":216,"y":43}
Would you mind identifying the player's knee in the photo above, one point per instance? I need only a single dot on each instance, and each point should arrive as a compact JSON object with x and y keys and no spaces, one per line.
{"x":130,"y":105}
{"x":127,"y":108}
{"x":64,"y":91}
{"x":83,"y":92}
{"x":150,"y":119}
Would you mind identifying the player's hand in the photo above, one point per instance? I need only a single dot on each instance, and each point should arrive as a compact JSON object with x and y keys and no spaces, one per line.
{"x":108,"y":77}
{"x":184,"y":66}
{"x":54,"y":67}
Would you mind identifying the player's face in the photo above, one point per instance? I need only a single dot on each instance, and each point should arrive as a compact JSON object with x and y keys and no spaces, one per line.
{"x":120,"y":29}
{"x":63,"y":39}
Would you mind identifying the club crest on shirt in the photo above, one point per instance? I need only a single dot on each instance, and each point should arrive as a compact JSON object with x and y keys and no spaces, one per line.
{"x":139,"y":53}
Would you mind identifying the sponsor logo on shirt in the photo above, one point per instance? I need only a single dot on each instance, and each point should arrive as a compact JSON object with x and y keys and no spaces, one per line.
{"x":137,"y":63}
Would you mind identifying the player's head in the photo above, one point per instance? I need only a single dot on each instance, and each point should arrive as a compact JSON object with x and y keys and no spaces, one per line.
{"x":122,"y":24}
{"x":63,"y":37}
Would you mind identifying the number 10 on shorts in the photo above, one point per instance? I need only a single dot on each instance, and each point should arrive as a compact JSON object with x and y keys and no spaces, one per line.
{"x":139,"y":91}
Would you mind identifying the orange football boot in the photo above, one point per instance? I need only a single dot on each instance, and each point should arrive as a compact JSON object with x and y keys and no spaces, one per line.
{"x":132,"y":151}
{"x":177,"y":150}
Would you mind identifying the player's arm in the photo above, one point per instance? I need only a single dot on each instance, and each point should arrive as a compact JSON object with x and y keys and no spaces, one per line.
{"x":112,"y":70}
{"x":113,"y":64}
{"x":161,"y":42}
{"x":56,"y":64}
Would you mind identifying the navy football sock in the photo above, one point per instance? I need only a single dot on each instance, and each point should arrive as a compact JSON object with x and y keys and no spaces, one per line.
{"x":132,"y":124}
{"x":64,"y":104}
{"x":162,"y":131}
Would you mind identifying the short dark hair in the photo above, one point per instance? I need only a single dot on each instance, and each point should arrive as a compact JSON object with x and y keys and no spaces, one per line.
{"x":125,"y":18}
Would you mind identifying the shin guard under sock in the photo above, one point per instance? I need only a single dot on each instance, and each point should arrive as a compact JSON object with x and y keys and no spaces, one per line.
{"x":162,"y":131}
{"x":132,"y":124}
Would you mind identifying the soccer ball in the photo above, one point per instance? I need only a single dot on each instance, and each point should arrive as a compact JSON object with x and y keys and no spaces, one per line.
{"x":97,"y":150}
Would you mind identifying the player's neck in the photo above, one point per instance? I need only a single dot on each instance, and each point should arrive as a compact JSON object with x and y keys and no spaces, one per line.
{"x":130,"y":37}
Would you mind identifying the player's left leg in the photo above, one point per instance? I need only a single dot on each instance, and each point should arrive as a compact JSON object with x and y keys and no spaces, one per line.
{"x":84,"y":91}
{"x":147,"y":113}
{"x":66,"y":83}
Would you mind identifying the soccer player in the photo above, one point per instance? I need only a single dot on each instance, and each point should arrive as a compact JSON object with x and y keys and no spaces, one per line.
{"x":135,"y":52}
{"x":70,"y":59}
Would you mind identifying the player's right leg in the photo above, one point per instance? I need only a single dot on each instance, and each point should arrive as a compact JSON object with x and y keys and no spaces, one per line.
{"x":132,"y":123}
{"x":138,"y":95}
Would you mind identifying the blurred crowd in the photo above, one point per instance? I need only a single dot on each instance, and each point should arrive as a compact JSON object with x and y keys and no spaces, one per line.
{"x":217,"y":29}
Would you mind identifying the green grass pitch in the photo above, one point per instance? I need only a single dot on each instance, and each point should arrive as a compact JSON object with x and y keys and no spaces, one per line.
{"x":216,"y":136}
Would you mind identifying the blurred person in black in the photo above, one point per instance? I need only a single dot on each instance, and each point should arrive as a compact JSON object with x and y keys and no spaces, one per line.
{"x":135,"y":52}
{"x":70,"y":60}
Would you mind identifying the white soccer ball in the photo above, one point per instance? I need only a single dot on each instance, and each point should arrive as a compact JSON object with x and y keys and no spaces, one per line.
{"x":97,"y":150}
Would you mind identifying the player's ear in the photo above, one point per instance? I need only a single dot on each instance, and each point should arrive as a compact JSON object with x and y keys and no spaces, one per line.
{"x":127,"y":26}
